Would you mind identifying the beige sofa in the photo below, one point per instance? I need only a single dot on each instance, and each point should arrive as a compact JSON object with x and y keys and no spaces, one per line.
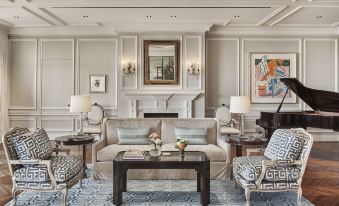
{"x":104,"y":151}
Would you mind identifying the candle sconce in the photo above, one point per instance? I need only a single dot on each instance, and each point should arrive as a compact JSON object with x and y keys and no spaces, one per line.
{"x":128,"y":68}
{"x":193,"y":69}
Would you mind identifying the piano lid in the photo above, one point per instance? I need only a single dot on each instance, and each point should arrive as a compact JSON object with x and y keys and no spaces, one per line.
{"x":318,"y":100}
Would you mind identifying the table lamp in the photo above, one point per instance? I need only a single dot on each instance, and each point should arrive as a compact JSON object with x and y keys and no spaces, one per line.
{"x":240,"y":105}
{"x":81,"y":104}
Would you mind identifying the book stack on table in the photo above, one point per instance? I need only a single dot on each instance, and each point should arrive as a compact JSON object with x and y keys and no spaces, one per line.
{"x":134,"y":155}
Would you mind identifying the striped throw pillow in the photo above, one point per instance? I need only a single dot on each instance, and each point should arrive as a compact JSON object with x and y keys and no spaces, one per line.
{"x":195,"y":136}
{"x":133,"y":136}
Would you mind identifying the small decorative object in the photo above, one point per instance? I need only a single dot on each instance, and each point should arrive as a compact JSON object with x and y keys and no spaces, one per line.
{"x":266,"y":71}
{"x":193,"y":69}
{"x":181,"y":145}
{"x":240,"y":105}
{"x":156,"y":141}
{"x":128,"y":68}
{"x":81,"y":104}
{"x":97,"y":83}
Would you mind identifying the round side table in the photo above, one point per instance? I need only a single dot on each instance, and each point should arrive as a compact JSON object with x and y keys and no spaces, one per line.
{"x":247,"y":141}
{"x":76,"y":140}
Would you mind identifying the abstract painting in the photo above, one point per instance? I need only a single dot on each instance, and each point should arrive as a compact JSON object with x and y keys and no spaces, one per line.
{"x":266,"y":71}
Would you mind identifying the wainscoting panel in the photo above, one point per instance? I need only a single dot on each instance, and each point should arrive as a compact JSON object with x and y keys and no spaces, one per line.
{"x":58,"y":124}
{"x":129,"y":52}
{"x":21,"y":121}
{"x":193,"y":54}
{"x":222,"y":71}
{"x":99,"y":56}
{"x":56,"y":72}
{"x":23,"y":74}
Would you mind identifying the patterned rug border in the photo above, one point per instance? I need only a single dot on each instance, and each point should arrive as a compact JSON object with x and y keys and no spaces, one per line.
{"x":152,"y":192}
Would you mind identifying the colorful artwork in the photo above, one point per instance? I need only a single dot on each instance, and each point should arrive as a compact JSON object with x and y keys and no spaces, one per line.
{"x":267,"y":71}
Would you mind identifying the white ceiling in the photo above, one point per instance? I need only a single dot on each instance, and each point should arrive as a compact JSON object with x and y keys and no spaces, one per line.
{"x":167,"y":15}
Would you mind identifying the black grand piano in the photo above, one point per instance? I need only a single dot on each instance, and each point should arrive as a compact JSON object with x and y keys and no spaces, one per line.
{"x":324,"y":103}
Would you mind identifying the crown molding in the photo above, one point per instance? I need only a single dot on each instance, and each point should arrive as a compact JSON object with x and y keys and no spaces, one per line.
{"x":61,"y":31}
{"x":275,"y":31}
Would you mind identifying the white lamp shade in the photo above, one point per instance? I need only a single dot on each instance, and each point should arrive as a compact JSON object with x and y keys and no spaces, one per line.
{"x":240,"y":104}
{"x":81,"y":103}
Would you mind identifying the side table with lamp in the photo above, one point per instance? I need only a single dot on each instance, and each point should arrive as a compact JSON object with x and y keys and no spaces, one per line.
{"x":79,"y":104}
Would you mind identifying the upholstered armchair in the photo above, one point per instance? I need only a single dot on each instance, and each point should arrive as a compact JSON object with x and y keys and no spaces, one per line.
{"x":48,"y":173}
{"x":280,"y":169}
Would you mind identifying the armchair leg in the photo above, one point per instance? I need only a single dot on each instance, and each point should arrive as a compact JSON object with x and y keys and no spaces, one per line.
{"x":299,"y":196}
{"x":14,"y":194}
{"x":248,"y":196}
{"x":65,"y":196}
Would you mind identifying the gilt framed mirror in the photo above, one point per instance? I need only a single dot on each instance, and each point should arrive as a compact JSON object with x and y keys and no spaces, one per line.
{"x":161,"y":62}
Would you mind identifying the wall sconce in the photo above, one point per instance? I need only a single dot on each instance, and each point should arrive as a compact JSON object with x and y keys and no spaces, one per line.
{"x":193,"y":69}
{"x":128,"y":68}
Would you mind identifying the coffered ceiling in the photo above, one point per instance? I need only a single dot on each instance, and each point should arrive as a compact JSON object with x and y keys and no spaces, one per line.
{"x":167,"y":15}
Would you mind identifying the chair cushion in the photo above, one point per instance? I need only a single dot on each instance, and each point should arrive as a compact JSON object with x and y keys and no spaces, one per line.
{"x":195,"y":136}
{"x":35,"y":145}
{"x":133,"y":136}
{"x":214,"y":152}
{"x":63,"y":169}
{"x":249,"y":168}
{"x":109,"y":152}
{"x":284,"y":144}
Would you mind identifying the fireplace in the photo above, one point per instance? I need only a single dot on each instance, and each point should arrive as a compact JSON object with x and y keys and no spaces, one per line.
{"x":161,"y":115}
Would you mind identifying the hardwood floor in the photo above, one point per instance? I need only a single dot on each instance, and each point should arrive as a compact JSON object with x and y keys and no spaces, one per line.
{"x":320,"y":183}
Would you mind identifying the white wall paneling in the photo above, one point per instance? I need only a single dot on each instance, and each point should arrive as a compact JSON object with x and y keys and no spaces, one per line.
{"x":99,"y":56}
{"x":222,"y":71}
{"x":57,"y":73}
{"x":23,"y":74}
{"x":129,"y":52}
{"x":193,"y":54}
{"x":21,"y":121}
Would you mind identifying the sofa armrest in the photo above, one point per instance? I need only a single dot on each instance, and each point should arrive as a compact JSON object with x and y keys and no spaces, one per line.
{"x":223,"y":144}
{"x":96,"y":147}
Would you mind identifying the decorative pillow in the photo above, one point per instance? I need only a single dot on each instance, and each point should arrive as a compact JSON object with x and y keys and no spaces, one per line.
{"x":195,"y":136}
{"x":284,"y":144}
{"x":43,"y":141}
{"x":133,"y":136}
{"x":33,"y":145}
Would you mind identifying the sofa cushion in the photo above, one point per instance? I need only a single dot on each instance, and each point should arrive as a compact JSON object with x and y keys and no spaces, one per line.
{"x":110,"y":129}
{"x":168,"y":131}
{"x":194,"y":136}
{"x":109,"y":152}
{"x":249,"y":168}
{"x":214,"y":152}
{"x":133,"y":136}
{"x":63,"y":169}
{"x":284,"y":144}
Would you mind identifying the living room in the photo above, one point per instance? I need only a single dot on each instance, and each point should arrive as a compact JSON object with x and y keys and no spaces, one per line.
{"x":93,"y":74}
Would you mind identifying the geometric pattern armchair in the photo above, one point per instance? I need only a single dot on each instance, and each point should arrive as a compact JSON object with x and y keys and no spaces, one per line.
{"x":44,"y":172}
{"x":280,"y":169}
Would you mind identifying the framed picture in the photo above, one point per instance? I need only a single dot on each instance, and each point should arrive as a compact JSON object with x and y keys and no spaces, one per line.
{"x":97,"y":83}
{"x":266,"y":71}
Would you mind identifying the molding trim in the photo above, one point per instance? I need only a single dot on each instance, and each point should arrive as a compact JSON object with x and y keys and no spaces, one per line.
{"x":122,"y":76}
{"x":34,"y":107}
{"x":202,"y":70}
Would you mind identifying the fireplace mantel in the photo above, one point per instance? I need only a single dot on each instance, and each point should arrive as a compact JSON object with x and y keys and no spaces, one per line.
{"x":141,"y":102}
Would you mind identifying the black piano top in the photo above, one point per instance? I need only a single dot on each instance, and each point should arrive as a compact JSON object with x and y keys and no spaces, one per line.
{"x":318,"y":100}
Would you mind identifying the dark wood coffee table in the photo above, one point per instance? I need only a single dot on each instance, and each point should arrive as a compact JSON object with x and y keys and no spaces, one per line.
{"x":192,"y":160}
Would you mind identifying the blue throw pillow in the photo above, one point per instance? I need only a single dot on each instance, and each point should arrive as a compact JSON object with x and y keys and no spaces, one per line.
{"x":133,"y":136}
{"x":195,"y":136}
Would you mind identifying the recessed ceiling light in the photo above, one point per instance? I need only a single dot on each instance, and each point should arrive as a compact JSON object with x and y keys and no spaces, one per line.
{"x":148,"y":16}
{"x":236,"y":16}
{"x":85,"y":16}
{"x":319,"y":17}
{"x":16,"y":17}
{"x":173,"y":16}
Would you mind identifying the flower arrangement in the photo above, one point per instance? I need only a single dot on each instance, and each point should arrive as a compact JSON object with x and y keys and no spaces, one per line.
{"x":181,"y":144}
{"x":155,"y":139}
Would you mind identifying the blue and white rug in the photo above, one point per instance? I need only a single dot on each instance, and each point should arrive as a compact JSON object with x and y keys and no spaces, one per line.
{"x":155,"y":193}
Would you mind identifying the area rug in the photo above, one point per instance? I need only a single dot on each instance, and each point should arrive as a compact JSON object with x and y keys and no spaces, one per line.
{"x":155,"y":193}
